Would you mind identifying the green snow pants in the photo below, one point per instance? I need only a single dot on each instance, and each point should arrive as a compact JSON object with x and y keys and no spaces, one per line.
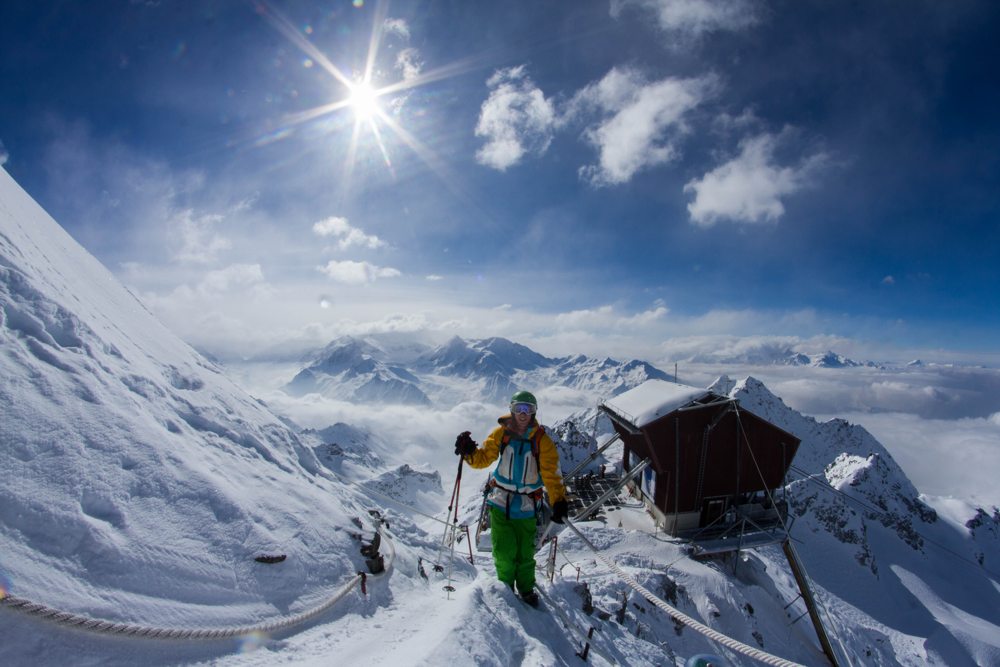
{"x":513,"y":549}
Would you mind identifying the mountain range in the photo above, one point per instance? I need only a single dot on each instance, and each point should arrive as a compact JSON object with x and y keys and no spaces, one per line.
{"x":490,"y":370}
{"x":777,"y":354}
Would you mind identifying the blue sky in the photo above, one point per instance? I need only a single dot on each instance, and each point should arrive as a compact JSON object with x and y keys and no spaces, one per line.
{"x":629,"y":177}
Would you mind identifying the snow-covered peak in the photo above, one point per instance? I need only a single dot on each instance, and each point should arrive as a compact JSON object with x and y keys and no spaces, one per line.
{"x":355,"y":370}
{"x":723,"y":385}
{"x":345,"y":351}
{"x":490,"y":369}
{"x":512,"y":355}
{"x":463,"y":358}
{"x":779,"y":354}
{"x":832,"y":360}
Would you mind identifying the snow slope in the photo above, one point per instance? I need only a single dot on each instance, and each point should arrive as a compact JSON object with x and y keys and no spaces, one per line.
{"x":138,"y":482}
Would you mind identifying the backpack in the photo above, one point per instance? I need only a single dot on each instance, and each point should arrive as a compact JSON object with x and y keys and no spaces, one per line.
{"x":536,"y":444}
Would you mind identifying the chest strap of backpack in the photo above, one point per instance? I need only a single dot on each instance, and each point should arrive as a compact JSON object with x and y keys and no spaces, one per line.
{"x":536,"y":445}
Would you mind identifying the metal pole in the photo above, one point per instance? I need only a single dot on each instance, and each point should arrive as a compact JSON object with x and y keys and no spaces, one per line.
{"x":590,"y":458}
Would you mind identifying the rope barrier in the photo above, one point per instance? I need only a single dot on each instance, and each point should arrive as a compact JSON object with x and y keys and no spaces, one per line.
{"x":134,"y":630}
{"x":681,"y":617}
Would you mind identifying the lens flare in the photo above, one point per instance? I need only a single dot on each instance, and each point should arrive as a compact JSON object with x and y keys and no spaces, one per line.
{"x":252,"y":642}
{"x":4,"y":585}
{"x":705,"y":660}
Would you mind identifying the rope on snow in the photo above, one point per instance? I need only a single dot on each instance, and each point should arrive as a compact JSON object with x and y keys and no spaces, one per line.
{"x":681,"y":617}
{"x":133,"y":630}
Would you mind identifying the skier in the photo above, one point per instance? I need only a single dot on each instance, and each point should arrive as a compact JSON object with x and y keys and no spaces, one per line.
{"x":528,"y":459}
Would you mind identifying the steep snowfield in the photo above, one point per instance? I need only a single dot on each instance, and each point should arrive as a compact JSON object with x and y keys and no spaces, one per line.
{"x":138,"y":483}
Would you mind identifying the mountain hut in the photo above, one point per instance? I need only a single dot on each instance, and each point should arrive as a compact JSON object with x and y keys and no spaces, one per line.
{"x":714,"y":466}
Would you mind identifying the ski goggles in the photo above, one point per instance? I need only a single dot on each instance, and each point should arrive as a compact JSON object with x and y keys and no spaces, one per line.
{"x":522,"y":408}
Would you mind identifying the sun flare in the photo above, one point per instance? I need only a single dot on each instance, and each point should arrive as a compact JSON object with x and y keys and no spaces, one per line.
{"x":363,"y":101}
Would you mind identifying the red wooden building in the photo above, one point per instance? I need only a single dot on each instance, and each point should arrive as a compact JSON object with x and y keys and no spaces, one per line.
{"x":714,"y":465}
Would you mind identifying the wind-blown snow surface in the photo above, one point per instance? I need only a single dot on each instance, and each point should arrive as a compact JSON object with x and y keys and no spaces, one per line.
{"x":137,"y":483}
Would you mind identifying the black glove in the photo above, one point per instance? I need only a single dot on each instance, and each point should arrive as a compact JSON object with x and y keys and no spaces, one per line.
{"x":559,"y":511}
{"x":464,"y":444}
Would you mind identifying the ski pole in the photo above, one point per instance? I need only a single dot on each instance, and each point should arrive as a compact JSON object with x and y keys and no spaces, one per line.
{"x":451,"y":525}
{"x":451,"y":503}
{"x":454,"y":526}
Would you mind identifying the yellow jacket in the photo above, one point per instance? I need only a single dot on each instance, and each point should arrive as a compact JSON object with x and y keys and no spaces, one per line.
{"x":524,"y":480}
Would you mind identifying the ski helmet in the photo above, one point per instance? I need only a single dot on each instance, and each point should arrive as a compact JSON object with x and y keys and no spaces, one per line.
{"x":524,"y":397}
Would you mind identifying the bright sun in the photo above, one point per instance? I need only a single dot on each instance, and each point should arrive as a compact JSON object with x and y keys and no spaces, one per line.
{"x":364,"y":101}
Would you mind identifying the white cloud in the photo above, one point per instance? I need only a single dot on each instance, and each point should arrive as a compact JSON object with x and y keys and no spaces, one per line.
{"x":4,"y":155}
{"x":750,"y":187}
{"x":888,"y":280}
{"x":200,"y":244}
{"x":232,"y":278}
{"x":357,"y":273}
{"x":398,"y":27}
{"x":587,"y":318}
{"x":696,"y":17}
{"x":644,"y":318}
{"x":154,"y":210}
{"x":608,"y":317}
{"x":516,"y":120}
{"x":434,"y":278}
{"x":409,"y":63}
{"x":222,"y":284}
{"x":348,"y":236}
{"x":642,"y":121}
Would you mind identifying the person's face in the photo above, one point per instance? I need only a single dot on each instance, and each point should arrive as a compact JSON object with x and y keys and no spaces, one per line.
{"x":523,"y":412}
